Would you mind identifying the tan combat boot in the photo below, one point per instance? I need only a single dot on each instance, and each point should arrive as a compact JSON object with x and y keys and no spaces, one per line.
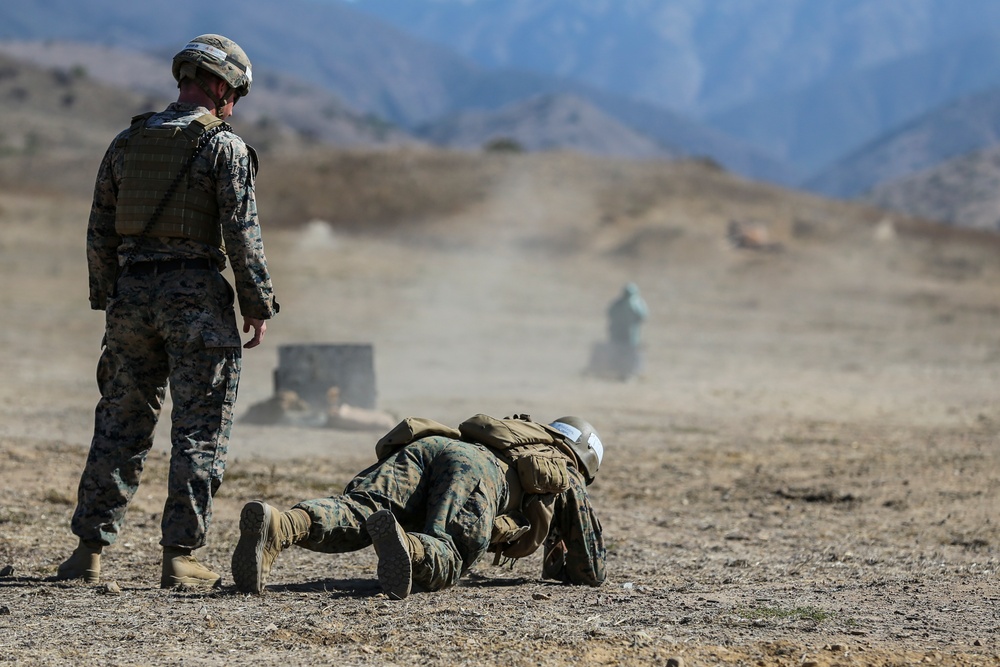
{"x":84,"y":563}
{"x":264,"y":533}
{"x":180,"y":568}
{"x":396,"y":551}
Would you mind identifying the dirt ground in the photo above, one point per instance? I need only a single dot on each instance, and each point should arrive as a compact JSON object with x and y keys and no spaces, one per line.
{"x":807,"y":473}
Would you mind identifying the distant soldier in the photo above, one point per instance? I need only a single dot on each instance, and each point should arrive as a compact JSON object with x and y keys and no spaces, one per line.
{"x":174,"y":198}
{"x":440,"y":498}
{"x":625,"y":317}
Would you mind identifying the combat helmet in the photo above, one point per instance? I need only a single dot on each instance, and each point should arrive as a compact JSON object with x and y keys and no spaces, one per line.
{"x":584,"y":441}
{"x":218,"y":55}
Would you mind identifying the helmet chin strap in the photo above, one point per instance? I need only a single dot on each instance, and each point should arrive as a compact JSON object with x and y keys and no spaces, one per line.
{"x":220,"y":102}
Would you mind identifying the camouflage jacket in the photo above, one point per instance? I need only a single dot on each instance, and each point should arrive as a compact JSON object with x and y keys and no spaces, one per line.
{"x":223,"y":167}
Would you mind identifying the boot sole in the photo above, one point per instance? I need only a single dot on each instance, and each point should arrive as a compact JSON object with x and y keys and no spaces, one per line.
{"x":248,"y":557}
{"x":395,"y":570}
{"x":190,"y":582}
{"x":88,"y":577}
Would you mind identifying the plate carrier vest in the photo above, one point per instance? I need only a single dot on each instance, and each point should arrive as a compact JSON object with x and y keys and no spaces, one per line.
{"x":153,"y":159}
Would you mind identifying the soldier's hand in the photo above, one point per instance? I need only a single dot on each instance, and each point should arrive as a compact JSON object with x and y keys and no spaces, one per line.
{"x":258,"y":326}
{"x":554,"y":559}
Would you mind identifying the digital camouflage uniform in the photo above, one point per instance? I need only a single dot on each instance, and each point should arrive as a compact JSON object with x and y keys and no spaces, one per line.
{"x":446,"y":493}
{"x":177,"y":326}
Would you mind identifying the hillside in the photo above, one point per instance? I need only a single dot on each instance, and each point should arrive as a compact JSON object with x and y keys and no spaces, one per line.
{"x":964,"y":192}
{"x":546,"y":122}
{"x":48,"y":111}
{"x":368,"y":64}
{"x":60,"y":119}
{"x":965,"y":126}
{"x":284,"y":112}
{"x":46,"y":148}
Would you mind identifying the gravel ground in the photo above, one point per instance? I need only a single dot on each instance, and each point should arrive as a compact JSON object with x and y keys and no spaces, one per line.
{"x":724,"y":548}
{"x":808,"y":473}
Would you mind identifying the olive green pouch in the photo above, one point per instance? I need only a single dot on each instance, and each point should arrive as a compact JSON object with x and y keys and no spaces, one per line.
{"x":542,"y":474}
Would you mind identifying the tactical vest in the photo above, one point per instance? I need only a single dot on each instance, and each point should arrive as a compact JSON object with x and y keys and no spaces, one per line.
{"x":153,"y":159}
{"x":537,"y":464}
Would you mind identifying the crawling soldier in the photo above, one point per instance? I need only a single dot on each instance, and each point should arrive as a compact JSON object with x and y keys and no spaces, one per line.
{"x":439,"y":498}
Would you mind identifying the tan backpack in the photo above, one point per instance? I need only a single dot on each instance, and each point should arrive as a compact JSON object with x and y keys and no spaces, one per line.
{"x":529,"y":447}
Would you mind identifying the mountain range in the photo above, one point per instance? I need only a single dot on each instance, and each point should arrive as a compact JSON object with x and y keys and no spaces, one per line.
{"x":811,"y":126}
{"x":962,"y":127}
{"x":546,"y":122}
{"x":808,"y":81}
{"x":370,"y":65}
{"x":963,"y":191}
{"x":698,"y":57}
{"x":819,"y":94}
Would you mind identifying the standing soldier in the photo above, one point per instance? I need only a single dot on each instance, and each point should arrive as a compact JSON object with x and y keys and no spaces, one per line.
{"x":174,"y":197}
{"x":625,"y":317}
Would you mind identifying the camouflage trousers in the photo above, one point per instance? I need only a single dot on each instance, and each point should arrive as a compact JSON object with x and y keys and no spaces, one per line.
{"x":443,"y":492}
{"x":177,"y":327}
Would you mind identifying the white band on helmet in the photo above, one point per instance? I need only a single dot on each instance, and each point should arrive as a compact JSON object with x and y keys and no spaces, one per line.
{"x":598,"y":447}
{"x":571,"y":432}
{"x":217,"y":54}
